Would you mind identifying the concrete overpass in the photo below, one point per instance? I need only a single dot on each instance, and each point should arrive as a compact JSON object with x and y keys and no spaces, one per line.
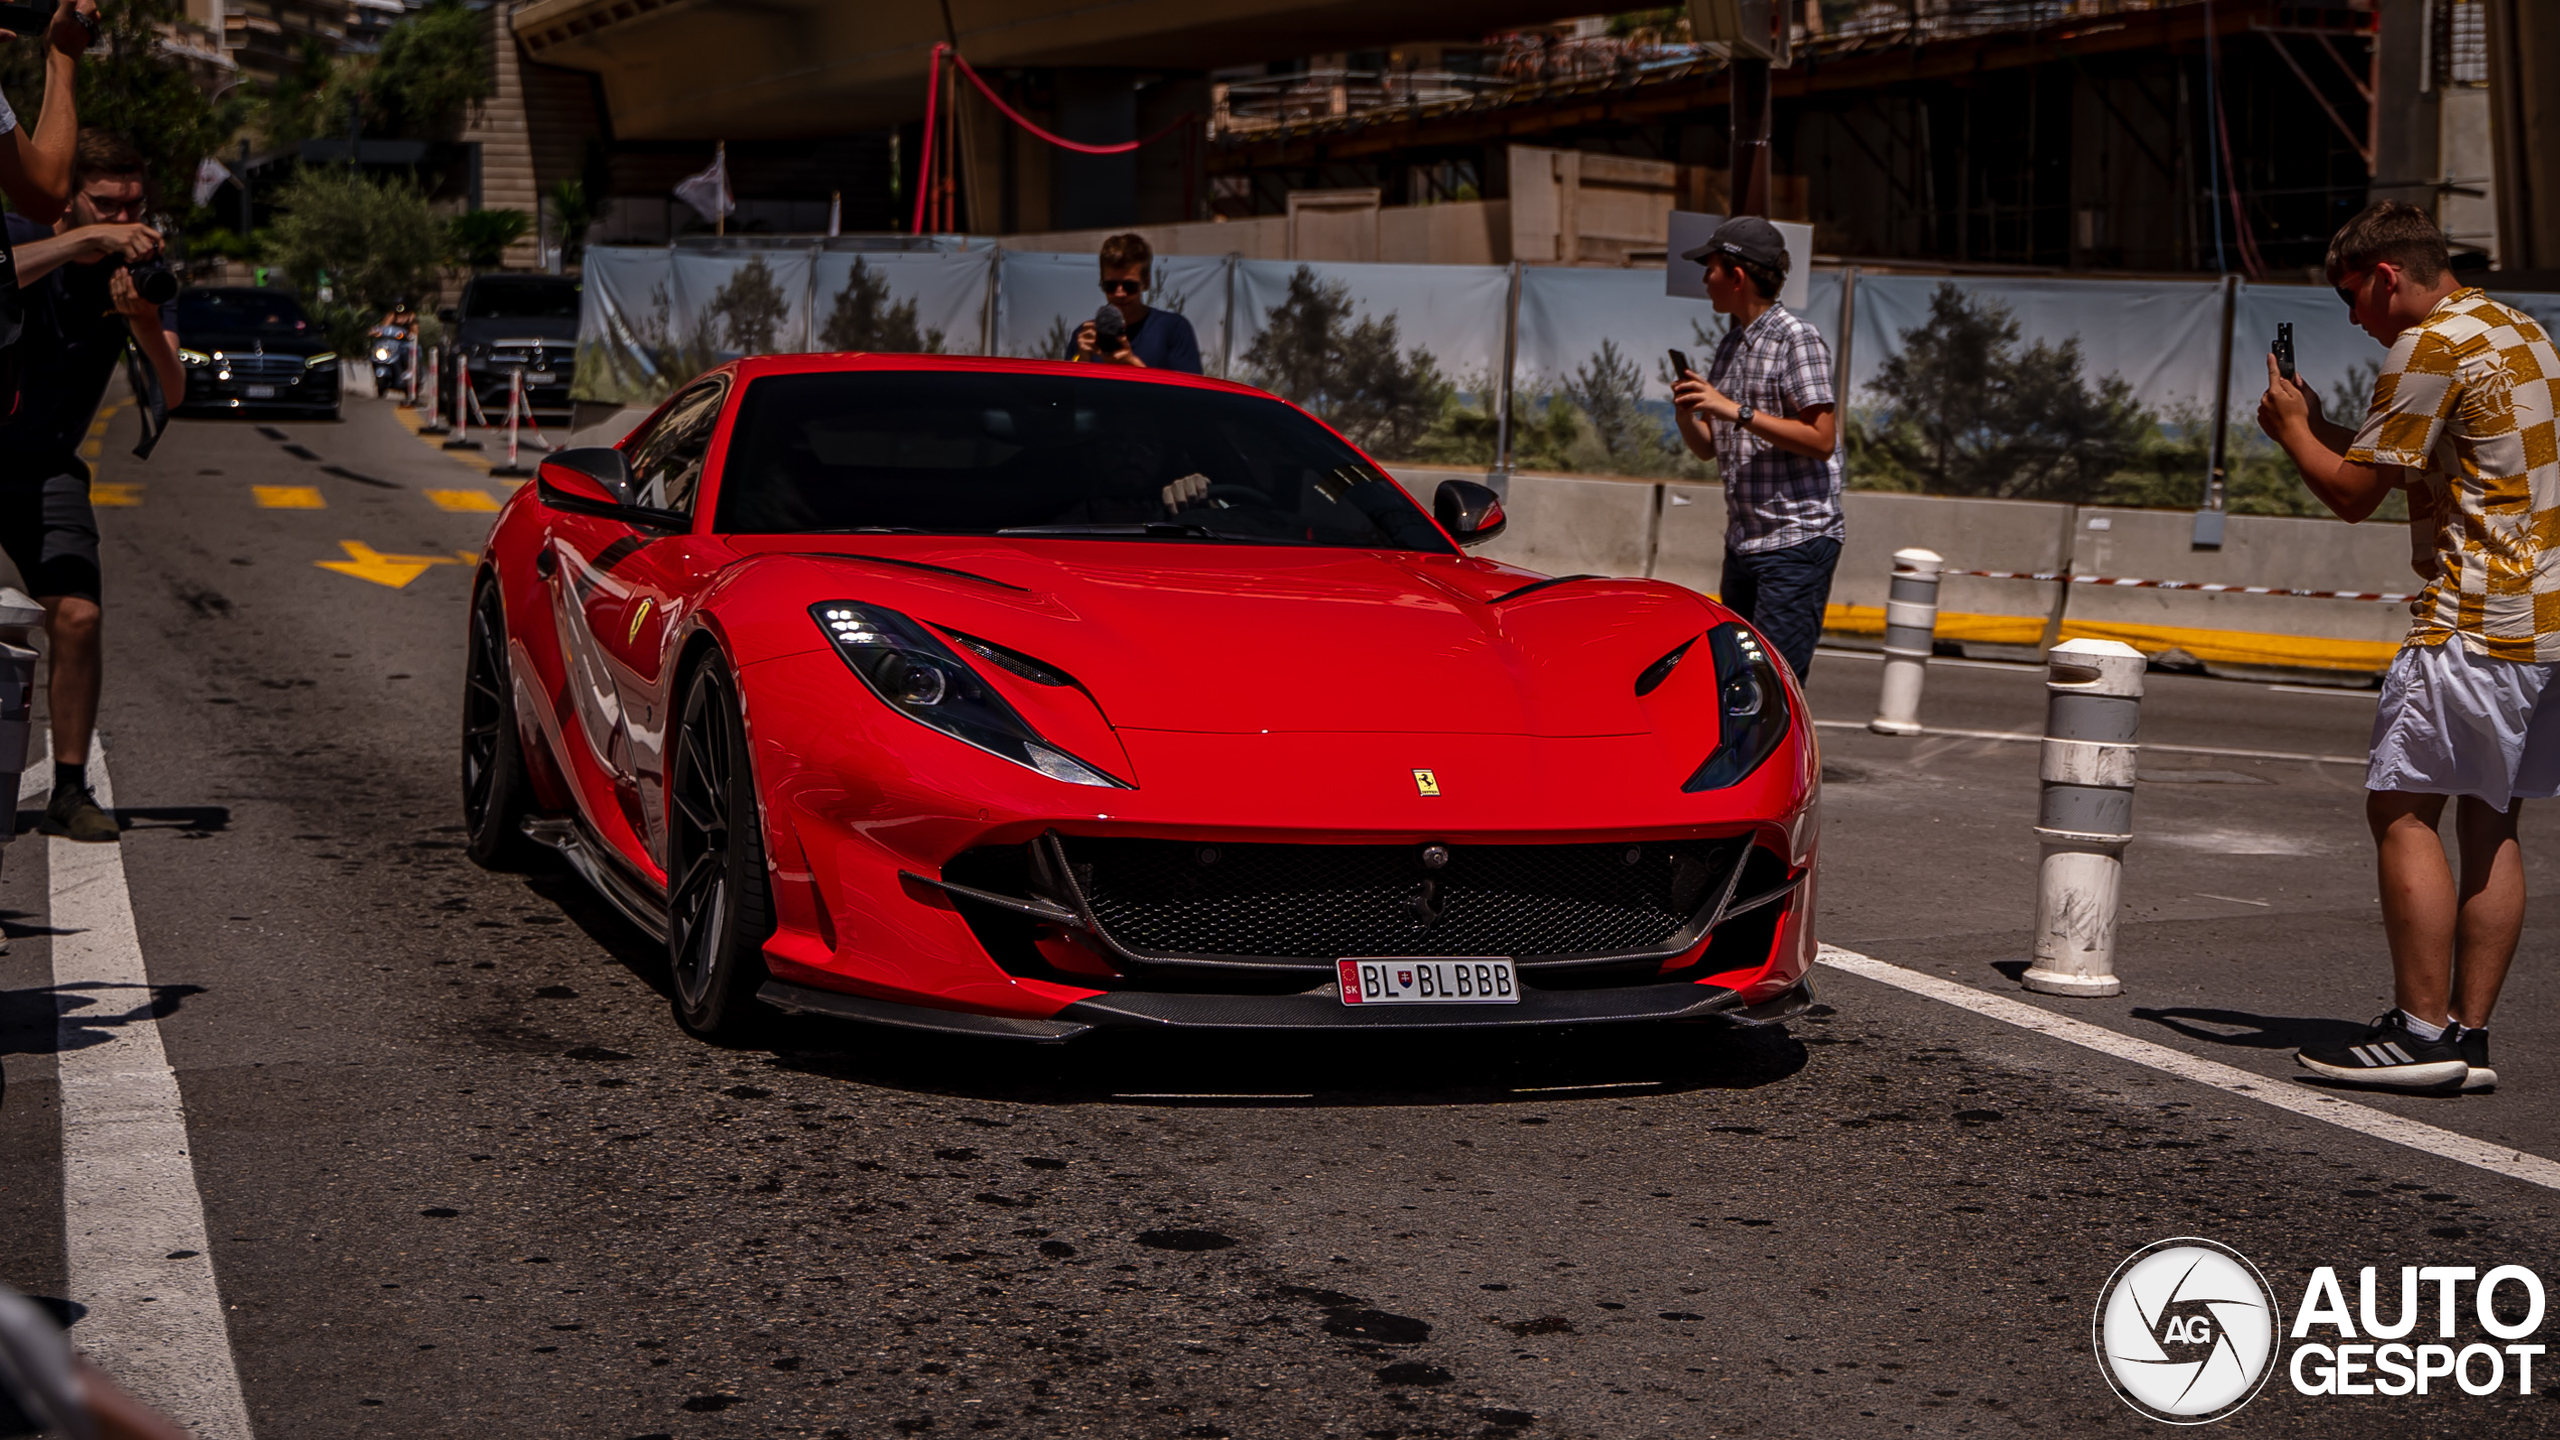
{"x":722,"y":69}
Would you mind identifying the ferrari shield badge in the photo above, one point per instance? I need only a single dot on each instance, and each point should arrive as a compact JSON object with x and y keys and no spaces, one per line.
{"x":1426,"y":783}
{"x":639,"y":618}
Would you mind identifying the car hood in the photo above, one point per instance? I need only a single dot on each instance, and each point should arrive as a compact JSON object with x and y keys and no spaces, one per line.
{"x":245,"y":342}
{"x":490,"y":331}
{"x":1236,"y":639}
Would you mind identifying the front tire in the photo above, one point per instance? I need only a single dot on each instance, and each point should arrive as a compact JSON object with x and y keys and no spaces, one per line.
{"x":719,"y":902}
{"x":494,"y":789}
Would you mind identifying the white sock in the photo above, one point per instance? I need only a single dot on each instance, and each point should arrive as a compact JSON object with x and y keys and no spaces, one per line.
{"x":2421,"y":1028}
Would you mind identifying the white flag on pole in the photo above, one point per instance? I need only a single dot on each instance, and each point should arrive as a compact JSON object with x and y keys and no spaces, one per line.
{"x":708,"y":192}
{"x":211,"y":175}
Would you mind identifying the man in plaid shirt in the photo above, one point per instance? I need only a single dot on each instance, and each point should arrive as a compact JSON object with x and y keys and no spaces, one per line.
{"x":1765,"y":414}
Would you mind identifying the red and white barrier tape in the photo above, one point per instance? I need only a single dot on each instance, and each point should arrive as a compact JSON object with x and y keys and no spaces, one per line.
{"x":2384,"y":596}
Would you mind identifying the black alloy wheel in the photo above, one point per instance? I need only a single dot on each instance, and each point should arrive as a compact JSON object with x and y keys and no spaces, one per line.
{"x":494,"y":792}
{"x":719,"y":901}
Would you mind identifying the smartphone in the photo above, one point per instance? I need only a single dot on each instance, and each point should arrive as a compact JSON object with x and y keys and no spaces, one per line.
{"x":2284,"y":348}
{"x":1679,"y":366}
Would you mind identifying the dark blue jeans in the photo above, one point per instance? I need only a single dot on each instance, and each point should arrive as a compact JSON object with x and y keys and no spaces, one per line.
{"x":1783,"y":592}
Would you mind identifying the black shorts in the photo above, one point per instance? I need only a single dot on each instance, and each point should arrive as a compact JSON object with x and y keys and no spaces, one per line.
{"x":51,"y":535}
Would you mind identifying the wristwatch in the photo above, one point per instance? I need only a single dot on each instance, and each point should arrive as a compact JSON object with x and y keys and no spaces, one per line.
{"x":1742,"y":415}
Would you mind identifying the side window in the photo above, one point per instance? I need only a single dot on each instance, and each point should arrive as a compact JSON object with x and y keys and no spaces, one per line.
{"x":666,"y":465}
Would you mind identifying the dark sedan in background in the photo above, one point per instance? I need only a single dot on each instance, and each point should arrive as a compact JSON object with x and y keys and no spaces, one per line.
{"x":510,"y":323}
{"x":253,"y":351}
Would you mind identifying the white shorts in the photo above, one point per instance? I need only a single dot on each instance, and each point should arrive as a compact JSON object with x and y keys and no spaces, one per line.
{"x":2455,"y":723}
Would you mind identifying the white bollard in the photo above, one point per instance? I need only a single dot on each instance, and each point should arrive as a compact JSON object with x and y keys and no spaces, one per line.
{"x":2084,"y":819}
{"x":515,"y":413}
{"x":435,"y":401}
{"x":1910,"y":630}
{"x":461,"y":405}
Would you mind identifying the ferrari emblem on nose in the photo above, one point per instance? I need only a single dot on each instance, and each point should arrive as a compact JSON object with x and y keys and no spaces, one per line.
{"x":1426,"y":782}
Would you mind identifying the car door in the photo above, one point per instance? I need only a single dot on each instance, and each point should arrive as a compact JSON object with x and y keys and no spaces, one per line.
{"x":660,"y":580}
{"x":600,"y":579}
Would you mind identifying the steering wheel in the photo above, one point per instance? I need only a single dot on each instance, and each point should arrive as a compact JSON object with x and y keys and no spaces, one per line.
{"x":1240,"y":494}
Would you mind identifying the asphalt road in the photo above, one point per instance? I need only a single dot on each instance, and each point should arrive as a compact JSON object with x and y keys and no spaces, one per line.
{"x":462,"y":1175}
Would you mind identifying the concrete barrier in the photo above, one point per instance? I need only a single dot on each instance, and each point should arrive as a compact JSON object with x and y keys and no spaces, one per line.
{"x":1675,"y":531}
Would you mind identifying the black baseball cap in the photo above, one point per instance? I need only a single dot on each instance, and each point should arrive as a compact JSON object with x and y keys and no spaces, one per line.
{"x":1745,"y":237}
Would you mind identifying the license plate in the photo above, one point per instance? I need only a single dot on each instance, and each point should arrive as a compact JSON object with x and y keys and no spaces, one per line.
{"x":1458,"y":980}
{"x":540,"y":377}
{"x":260,"y":392}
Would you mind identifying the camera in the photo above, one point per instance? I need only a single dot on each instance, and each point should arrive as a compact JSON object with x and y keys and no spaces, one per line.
{"x":153,"y":280}
{"x":1110,"y":332}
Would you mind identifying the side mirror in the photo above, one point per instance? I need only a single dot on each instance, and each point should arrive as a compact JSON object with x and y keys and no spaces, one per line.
{"x":596,"y":480}
{"x":448,"y":315}
{"x":1471,"y":513}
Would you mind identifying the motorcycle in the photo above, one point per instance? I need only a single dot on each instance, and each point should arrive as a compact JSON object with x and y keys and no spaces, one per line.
{"x":394,"y":368}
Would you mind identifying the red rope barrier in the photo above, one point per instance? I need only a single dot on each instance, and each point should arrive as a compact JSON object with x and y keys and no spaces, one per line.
{"x":932,"y":94}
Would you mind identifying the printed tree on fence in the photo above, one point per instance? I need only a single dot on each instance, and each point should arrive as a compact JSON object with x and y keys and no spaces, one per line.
{"x":1353,"y":374}
{"x":1967,"y":411}
{"x":863,"y":318}
{"x":750,"y":310}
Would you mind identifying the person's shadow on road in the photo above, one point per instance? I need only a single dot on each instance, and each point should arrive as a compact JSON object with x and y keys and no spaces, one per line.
{"x":2247,"y":1031}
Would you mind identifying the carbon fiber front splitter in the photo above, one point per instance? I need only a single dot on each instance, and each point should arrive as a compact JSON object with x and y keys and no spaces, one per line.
{"x":1317,"y":1010}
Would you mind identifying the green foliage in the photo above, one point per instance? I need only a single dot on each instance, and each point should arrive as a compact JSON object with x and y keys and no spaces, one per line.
{"x":749,"y":310}
{"x":478,"y":239}
{"x":433,"y":66}
{"x":310,"y":99}
{"x":1355,"y":375}
{"x":1966,"y":411}
{"x":863,"y":319}
{"x":132,"y":86}
{"x":348,"y":325}
{"x":573,"y":209}
{"x":375,"y":240}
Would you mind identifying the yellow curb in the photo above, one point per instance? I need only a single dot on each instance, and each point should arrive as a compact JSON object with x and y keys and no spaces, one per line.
{"x":2229,"y":647}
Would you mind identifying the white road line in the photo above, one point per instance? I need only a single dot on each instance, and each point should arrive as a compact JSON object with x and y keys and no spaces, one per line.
{"x":2030,"y":737}
{"x":133,"y":1222}
{"x":2314,"y":1104}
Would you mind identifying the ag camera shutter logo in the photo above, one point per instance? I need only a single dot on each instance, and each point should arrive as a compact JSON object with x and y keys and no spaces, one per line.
{"x":2185,"y":1331}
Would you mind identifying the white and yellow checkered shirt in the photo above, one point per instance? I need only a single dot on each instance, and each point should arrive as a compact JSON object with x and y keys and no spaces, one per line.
{"x":2466,"y":401}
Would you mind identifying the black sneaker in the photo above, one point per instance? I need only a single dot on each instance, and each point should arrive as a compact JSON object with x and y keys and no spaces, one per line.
{"x":74,"y":815}
{"x":2474,"y":1045}
{"x":2388,"y":1057}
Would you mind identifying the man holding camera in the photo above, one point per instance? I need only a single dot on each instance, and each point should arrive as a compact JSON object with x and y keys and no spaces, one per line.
{"x":1764,"y":412}
{"x":82,"y":308}
{"x":1148,"y":339}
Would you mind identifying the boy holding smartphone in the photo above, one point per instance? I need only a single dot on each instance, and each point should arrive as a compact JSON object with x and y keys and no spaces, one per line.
{"x":1764,"y":412}
{"x":2463,"y":417}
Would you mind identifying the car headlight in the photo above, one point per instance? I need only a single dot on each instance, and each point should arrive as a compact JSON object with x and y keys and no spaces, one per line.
{"x":325,"y":357}
{"x":193,"y":357}
{"x":1751,"y":708}
{"x":925,"y":680}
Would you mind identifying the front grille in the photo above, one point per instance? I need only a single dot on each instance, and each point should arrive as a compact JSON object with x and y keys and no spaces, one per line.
{"x":1312,"y":904}
{"x":265,"y":369}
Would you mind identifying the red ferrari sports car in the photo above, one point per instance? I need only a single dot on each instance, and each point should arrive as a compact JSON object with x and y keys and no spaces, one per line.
{"x":1013,"y":698}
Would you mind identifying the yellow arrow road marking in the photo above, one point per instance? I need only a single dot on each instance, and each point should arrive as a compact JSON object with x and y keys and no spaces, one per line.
{"x":366,"y":563}
{"x":115,"y":492}
{"x":460,"y":500}
{"x":289,"y":497}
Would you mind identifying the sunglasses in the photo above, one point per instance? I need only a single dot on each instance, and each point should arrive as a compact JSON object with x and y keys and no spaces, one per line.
{"x":1123,"y":287}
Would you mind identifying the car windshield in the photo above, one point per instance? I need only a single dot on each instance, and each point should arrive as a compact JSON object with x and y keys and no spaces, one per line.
{"x":521,"y":300}
{"x":253,"y":312}
{"x":989,"y":453}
